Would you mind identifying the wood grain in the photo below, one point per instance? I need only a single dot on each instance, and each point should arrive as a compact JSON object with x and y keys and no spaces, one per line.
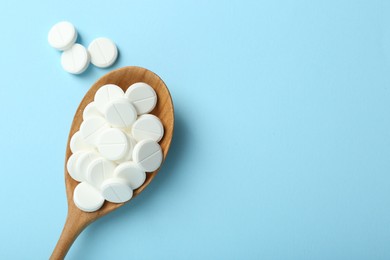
{"x":76,"y":219}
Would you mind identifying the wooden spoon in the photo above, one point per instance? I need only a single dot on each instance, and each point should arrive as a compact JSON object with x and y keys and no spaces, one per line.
{"x":76,"y":219}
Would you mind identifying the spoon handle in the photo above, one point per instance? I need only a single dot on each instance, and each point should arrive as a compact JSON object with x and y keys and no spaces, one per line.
{"x":72,"y":228}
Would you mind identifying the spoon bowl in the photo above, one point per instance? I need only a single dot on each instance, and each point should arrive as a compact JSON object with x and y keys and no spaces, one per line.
{"x":77,"y":219}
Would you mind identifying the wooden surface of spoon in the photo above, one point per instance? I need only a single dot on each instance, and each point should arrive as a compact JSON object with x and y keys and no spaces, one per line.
{"x":76,"y":219}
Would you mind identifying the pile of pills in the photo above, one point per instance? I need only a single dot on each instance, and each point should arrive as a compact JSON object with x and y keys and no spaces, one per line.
{"x":116,"y":145}
{"x":75,"y":59}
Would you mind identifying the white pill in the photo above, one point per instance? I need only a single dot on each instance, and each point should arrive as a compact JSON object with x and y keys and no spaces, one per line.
{"x":77,"y":143}
{"x":100,"y":170}
{"x":91,"y":111}
{"x":103,"y":52}
{"x":87,"y":198}
{"x":83,"y":163}
{"x":131,"y":173}
{"x":71,"y":166}
{"x":148,"y":127}
{"x":62,"y":36}
{"x":120,"y":113}
{"x":105,"y":94}
{"x":116,"y":190}
{"x":91,"y":128}
{"x":131,"y":142}
{"x":148,"y":155}
{"x":142,"y":96}
{"x":113,"y":144}
{"x":75,"y":60}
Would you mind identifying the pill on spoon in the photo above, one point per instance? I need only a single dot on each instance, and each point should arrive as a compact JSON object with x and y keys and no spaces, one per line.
{"x":71,"y":166}
{"x":131,"y":173}
{"x":103,"y":52}
{"x":129,"y":154}
{"x":142,"y":96}
{"x":83,"y":163}
{"x":105,"y":94}
{"x":91,"y":128}
{"x":116,"y":190}
{"x":77,"y":143}
{"x":110,"y":135}
{"x":113,"y":144}
{"x":87,"y":198}
{"x":91,"y":111}
{"x":75,"y":60}
{"x":120,"y":113}
{"x":147,"y":127}
{"x":62,"y":35}
{"x":148,"y":155}
{"x":99,"y":170}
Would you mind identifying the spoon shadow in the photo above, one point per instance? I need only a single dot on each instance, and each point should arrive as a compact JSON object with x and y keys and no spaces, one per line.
{"x":87,"y":242}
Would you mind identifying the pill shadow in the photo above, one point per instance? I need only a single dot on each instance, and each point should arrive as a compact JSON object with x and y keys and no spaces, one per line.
{"x":87,"y":242}
{"x":80,"y":38}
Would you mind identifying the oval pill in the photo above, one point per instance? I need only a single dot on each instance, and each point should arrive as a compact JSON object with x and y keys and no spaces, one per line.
{"x":99,"y":170}
{"x":77,"y":143}
{"x":62,"y":35}
{"x":142,"y":96}
{"x":87,"y":198}
{"x":113,"y":144}
{"x":91,"y":128}
{"x":116,"y":190}
{"x":75,"y":60}
{"x":148,"y":155}
{"x":120,"y":113}
{"x":91,"y":111}
{"x":105,"y":94}
{"x":71,"y":166}
{"x":147,"y":127}
{"x":103,"y":52}
{"x":131,"y":173}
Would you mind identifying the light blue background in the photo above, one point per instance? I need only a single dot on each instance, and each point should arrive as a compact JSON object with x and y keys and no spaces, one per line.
{"x":282,"y":140}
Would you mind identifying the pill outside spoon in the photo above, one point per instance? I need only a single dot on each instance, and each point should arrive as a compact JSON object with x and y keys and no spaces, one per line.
{"x":77,"y":220}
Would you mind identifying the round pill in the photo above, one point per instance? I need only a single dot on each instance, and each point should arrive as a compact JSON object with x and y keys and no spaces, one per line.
{"x":113,"y":144}
{"x":103,"y":52}
{"x":99,"y":170}
{"x":87,"y":198}
{"x":116,"y":190}
{"x":105,"y":94}
{"x":142,"y":96}
{"x":75,"y":60}
{"x":129,"y":154}
{"x":62,"y":36}
{"x":91,"y":111}
{"x":120,"y":113}
{"x":148,"y":155}
{"x":91,"y":128}
{"x":131,"y":173}
{"x":132,"y":142}
{"x":83,"y":162}
{"x":147,"y":127}
{"x":71,"y":166}
{"x":77,"y":143}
